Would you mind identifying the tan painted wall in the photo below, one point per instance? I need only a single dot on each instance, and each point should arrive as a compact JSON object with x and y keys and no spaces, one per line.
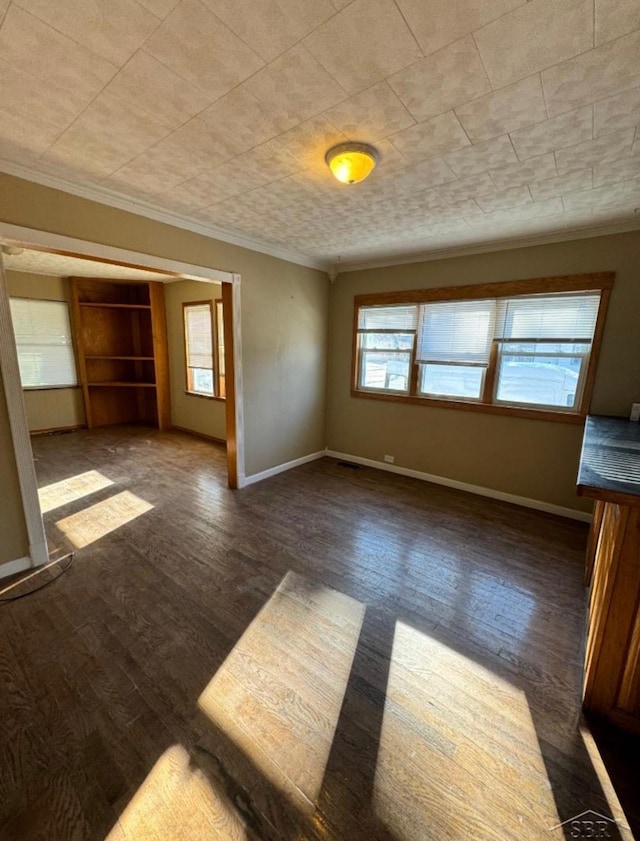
{"x":530,"y":458}
{"x":47,"y":408}
{"x":284,"y":313}
{"x":14,"y":542}
{"x":187,"y":411}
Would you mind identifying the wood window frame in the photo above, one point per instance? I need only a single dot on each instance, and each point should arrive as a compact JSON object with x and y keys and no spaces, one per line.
{"x":212,"y":304}
{"x":594,"y":282}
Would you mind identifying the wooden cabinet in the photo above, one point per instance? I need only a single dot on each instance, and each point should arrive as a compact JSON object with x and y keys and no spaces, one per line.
{"x":610,"y":474}
{"x":121,"y":338}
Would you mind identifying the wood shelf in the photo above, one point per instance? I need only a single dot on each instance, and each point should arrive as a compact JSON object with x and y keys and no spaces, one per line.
{"x":121,"y":340}
{"x":105,"y":305}
{"x":121,"y":384}
{"x":124,"y":358}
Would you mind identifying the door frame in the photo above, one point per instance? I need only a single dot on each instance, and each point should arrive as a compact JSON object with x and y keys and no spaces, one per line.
{"x":50,"y":242}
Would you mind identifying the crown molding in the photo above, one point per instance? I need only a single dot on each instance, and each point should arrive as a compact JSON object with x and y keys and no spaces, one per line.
{"x":566,"y":235}
{"x":105,"y":196}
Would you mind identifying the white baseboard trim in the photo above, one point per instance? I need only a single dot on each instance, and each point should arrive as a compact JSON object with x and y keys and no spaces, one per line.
{"x":14,"y":567}
{"x":281,"y":468}
{"x":525,"y":502}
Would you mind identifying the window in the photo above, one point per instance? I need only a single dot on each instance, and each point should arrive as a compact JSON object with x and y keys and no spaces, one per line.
{"x":525,"y":346}
{"x":204,"y":348}
{"x":44,"y":343}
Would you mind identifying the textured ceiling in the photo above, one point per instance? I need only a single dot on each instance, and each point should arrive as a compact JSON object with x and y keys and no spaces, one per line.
{"x":60,"y":265}
{"x":495,"y":119}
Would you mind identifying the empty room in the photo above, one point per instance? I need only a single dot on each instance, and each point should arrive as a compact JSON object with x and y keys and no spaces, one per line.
{"x":319,"y":420}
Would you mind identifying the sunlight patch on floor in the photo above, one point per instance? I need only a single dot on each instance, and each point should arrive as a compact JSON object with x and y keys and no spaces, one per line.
{"x":100,"y":519}
{"x":279,"y":693}
{"x":177,"y":802}
{"x":457,"y":742}
{"x":71,"y":489}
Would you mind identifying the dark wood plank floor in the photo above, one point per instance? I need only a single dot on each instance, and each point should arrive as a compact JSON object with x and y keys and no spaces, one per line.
{"x":451,"y":627}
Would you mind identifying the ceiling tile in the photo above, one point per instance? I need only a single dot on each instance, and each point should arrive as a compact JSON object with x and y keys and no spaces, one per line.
{"x":443,"y":80}
{"x":4,"y":5}
{"x":108,"y":133}
{"x":607,"y":70}
{"x":23,"y":138}
{"x":367,"y":116}
{"x":556,"y":133}
{"x":243,"y":119}
{"x":160,"y":8}
{"x":269,"y":161}
{"x":214,"y":185}
{"x":509,"y":109}
{"x":288,"y":191}
{"x":73,"y":71}
{"x":500,"y":200}
{"x":482,"y":157}
{"x":515,"y":175}
{"x":533,"y":37}
{"x":440,"y":22}
{"x":199,"y":47}
{"x":621,"y":111}
{"x":364,"y":43}
{"x":271,"y":26}
{"x":159,"y":170}
{"x":464,"y":189}
{"x":562,"y":184}
{"x":294,"y":87}
{"x":604,"y":149}
{"x":434,"y":137}
{"x":151,"y":86}
{"x":615,"y":18}
{"x":113,"y":29}
{"x":599,"y":197}
{"x":620,"y":170}
{"x":309,"y":141}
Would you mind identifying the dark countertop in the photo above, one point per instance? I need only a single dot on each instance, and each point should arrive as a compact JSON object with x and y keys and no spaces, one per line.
{"x":610,"y":460}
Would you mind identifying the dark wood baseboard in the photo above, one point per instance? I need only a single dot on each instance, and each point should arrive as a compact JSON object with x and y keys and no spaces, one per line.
{"x":200,"y":435}
{"x":54,"y":429}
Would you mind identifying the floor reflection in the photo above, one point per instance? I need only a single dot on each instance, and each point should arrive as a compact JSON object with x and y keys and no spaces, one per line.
{"x":177,"y":802}
{"x":279,"y":692}
{"x":98,"y":520}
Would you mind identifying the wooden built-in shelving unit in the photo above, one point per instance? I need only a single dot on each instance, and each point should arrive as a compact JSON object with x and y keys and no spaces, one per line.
{"x":121,"y":337}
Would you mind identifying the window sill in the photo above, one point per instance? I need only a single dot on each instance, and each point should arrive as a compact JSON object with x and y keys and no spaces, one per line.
{"x":205,"y":396}
{"x":487,"y":408}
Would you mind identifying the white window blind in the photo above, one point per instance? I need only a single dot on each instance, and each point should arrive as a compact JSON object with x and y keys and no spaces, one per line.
{"x":456,"y":332}
{"x":568,"y":317}
{"x":44,"y":343}
{"x":199,"y":338}
{"x":397,"y":318}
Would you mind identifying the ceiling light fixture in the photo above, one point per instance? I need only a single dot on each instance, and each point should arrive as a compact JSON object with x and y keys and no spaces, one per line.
{"x":351,"y":162}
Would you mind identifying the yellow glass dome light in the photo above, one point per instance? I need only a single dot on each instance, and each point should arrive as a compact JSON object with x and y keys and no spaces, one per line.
{"x":351,"y":162}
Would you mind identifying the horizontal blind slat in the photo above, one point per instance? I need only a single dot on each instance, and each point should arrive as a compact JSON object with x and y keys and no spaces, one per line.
{"x":199,"y":340}
{"x":43,"y":340}
{"x":548,"y":317}
{"x":398,"y":318}
{"x":456,"y":331}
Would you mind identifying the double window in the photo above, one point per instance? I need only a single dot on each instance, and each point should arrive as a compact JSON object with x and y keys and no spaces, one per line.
{"x":204,"y":348}
{"x":526,"y":345}
{"x":44,"y":343}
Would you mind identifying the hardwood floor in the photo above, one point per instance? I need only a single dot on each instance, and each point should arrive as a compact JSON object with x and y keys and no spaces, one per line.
{"x":333,"y":653}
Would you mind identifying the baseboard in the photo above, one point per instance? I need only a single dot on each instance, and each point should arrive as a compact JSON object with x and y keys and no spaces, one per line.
{"x":57,"y":429}
{"x":525,"y":502}
{"x":14,"y":567}
{"x":202,"y":435}
{"x":281,"y":468}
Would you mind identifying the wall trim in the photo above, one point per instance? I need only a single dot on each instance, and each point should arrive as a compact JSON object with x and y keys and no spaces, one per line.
{"x":38,"y":551}
{"x":111,"y":198}
{"x":567,"y":235}
{"x":19,"y":235}
{"x":281,"y":468}
{"x":523,"y":501}
{"x":14,"y":567}
{"x":202,"y":435}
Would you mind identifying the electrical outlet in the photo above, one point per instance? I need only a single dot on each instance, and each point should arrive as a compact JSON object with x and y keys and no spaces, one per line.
{"x":635,"y":412}
{"x":390,"y":459}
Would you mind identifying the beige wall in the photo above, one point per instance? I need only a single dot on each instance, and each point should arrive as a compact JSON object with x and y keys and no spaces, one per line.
{"x":14,"y":542}
{"x":187,"y":411}
{"x":530,"y":458}
{"x":47,"y":408}
{"x":284,"y":313}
